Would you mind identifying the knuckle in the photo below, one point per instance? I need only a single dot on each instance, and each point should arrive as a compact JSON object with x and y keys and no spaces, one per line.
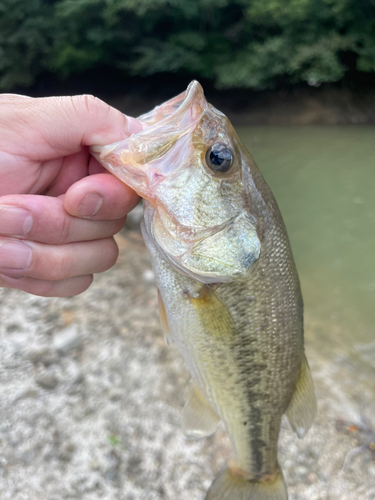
{"x":64,"y":231}
{"x":87,"y":102}
{"x":90,"y":101}
{"x":61,"y":267}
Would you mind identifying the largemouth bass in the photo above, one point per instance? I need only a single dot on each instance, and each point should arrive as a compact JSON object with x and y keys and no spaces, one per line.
{"x":229,"y":293}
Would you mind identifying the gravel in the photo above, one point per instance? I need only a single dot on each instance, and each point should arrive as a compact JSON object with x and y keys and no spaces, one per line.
{"x":91,"y":399}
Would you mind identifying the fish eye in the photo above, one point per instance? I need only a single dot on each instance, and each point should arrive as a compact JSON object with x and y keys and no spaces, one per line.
{"x":219,"y":158}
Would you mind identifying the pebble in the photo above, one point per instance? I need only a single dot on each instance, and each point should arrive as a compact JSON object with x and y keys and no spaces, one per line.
{"x":312,"y":478}
{"x":67,"y":339}
{"x":47,"y":380}
{"x":36,"y":354}
{"x":371,"y":469}
{"x":114,"y":394}
{"x":301,"y":471}
{"x":42,"y":355}
{"x":30,"y":392}
{"x":67,"y":451}
{"x":148,"y":276}
{"x":94,"y":465}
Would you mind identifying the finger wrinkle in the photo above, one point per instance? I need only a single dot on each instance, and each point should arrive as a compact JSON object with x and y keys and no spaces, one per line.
{"x":62,"y":267}
{"x":73,"y":105}
{"x":65,"y":229}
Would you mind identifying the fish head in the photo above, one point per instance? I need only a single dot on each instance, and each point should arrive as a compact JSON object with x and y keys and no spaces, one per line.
{"x":188,"y":164}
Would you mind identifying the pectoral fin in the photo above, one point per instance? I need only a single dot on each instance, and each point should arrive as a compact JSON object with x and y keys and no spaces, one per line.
{"x":198,"y":419}
{"x":164,"y":321}
{"x":214,"y":315}
{"x":302,"y":408}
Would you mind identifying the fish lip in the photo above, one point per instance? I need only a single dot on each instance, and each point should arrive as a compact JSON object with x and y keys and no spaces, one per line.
{"x":181,"y":103}
{"x":185,"y":99}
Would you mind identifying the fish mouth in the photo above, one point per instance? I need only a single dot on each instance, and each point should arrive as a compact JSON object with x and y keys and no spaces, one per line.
{"x":144,"y":159}
{"x":170,"y":110}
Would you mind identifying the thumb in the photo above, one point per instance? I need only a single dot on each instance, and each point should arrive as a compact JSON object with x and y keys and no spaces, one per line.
{"x":60,"y":126}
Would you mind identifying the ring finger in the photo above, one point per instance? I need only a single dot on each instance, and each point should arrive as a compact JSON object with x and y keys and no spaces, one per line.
{"x":56,"y":262}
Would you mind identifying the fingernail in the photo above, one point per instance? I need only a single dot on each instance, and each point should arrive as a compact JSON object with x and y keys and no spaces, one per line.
{"x":90,"y":205}
{"x":14,"y":255}
{"x":130,"y":126}
{"x":107,"y":137}
{"x":134,"y":126}
{"x":15,"y":221}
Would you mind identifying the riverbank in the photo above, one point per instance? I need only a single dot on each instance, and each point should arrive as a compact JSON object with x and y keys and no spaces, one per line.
{"x":301,"y":105}
{"x":327,"y":106}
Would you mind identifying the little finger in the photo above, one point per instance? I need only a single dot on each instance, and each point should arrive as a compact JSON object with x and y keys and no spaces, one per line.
{"x":63,"y":288}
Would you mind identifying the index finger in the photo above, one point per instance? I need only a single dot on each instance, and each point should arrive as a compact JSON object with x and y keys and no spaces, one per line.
{"x":53,"y":127}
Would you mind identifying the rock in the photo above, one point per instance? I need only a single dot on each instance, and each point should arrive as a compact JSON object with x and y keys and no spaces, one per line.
{"x":67,"y":451}
{"x":312,"y":478}
{"x":371,"y":469}
{"x":27,"y":393}
{"x":36,"y":354}
{"x":47,"y":380}
{"x":114,"y":394}
{"x":42,"y":355}
{"x":67,"y":339}
{"x":94,"y":465}
{"x":13,"y":327}
{"x":148,"y":276}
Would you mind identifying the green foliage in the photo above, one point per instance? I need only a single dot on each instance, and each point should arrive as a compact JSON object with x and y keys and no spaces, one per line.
{"x":235,"y":43}
{"x":26,"y":29}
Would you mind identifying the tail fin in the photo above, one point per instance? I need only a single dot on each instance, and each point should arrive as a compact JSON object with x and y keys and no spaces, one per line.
{"x":228,"y":486}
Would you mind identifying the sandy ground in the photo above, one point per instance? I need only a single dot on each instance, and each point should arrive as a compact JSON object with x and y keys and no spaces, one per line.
{"x":91,"y":399}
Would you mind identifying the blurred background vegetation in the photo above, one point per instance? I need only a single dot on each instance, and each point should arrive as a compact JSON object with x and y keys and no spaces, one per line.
{"x":242,"y":44}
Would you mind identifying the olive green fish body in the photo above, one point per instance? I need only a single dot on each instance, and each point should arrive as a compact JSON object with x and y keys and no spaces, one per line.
{"x":243,"y":341}
{"x":228,"y":287}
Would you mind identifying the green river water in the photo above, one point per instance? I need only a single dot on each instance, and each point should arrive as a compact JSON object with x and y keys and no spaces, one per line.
{"x":324,"y":181}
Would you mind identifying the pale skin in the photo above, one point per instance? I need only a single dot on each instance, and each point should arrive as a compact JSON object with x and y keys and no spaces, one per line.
{"x":59,"y":210}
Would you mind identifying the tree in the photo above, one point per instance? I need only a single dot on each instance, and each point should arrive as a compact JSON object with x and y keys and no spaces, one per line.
{"x":235,"y":43}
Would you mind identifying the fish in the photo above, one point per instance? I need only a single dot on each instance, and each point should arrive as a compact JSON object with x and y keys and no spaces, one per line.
{"x":228,"y":288}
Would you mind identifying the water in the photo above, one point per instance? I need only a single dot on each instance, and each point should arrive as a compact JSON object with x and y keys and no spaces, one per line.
{"x":324,"y":181}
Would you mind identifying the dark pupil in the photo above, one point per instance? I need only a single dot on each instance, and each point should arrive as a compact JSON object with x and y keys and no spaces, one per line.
{"x":218,"y":157}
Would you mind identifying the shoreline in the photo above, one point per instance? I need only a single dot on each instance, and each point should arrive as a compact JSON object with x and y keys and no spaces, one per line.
{"x":328,"y":106}
{"x":300,"y":105}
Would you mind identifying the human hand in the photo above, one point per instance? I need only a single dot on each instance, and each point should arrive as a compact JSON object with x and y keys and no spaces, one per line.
{"x":58,"y":209}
